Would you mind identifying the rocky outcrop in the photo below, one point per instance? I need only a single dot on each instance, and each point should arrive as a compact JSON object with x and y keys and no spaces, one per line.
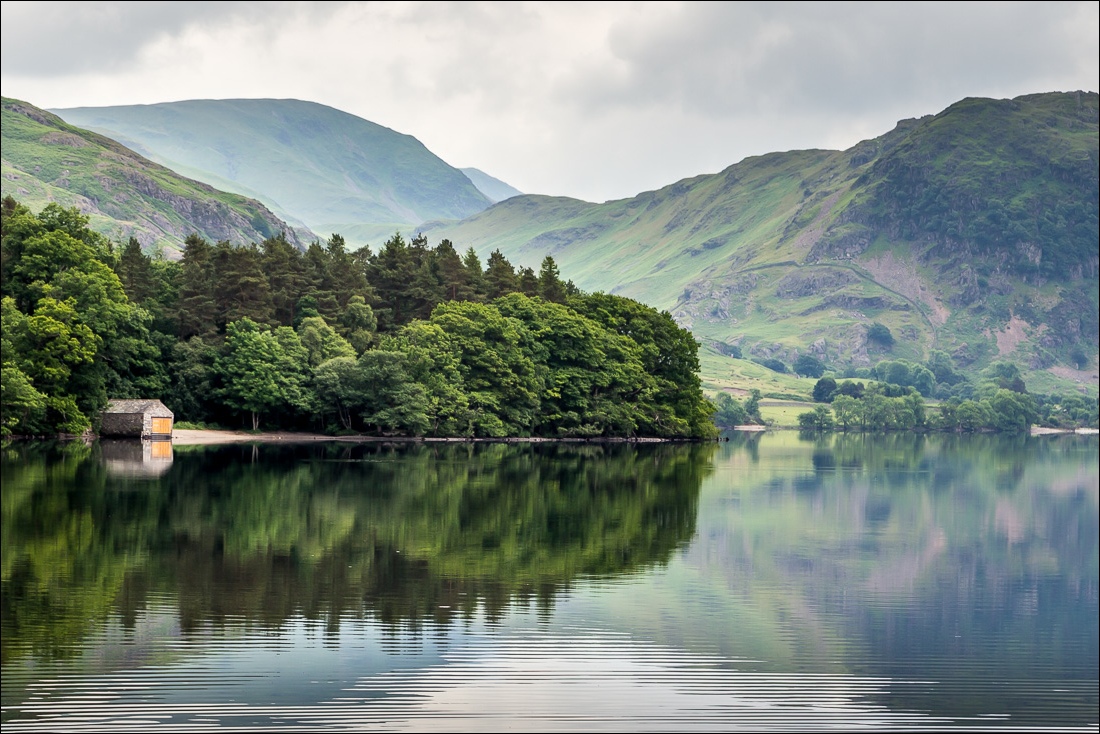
{"x":811,"y":282}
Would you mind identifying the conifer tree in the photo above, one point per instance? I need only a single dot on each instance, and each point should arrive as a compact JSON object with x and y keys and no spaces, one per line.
{"x":198,"y":308}
{"x":551,"y":287}
{"x":500,"y":276}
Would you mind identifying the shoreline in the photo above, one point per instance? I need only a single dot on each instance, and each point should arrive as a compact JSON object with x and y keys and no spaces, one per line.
{"x":203,"y":437}
{"x":1041,"y":431}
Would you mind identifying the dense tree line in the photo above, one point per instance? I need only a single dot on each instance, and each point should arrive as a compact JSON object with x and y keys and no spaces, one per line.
{"x":894,"y":399}
{"x":410,"y":340}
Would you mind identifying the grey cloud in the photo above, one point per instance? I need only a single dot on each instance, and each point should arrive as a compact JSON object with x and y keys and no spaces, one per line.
{"x":715,"y":59}
{"x":48,"y":38}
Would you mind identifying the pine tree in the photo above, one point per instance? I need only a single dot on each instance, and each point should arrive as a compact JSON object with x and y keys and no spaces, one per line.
{"x":500,"y":276}
{"x":197,"y":307}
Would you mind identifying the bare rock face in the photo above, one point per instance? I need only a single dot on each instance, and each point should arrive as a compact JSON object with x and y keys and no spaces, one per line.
{"x":813,"y":281}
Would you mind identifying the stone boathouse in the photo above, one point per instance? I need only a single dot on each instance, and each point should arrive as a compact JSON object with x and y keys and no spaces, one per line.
{"x":136,"y":419}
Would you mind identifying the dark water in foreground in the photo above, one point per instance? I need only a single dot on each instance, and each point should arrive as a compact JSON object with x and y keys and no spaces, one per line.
{"x":771,"y":582}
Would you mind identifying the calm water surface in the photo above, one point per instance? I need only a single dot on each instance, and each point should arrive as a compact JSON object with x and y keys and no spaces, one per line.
{"x":769,"y":582}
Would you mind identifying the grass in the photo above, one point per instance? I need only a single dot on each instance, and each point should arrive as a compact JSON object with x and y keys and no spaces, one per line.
{"x":740,"y":376}
{"x":783,"y":413}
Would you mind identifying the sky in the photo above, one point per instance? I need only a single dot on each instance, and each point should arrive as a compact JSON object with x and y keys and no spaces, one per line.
{"x":593,"y":100}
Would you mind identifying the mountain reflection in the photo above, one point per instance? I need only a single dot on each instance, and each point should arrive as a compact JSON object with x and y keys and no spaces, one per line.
{"x":403,"y":533}
{"x":966,"y":557}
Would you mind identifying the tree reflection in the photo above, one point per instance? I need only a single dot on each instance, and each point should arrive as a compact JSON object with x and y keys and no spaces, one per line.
{"x":404,"y":533}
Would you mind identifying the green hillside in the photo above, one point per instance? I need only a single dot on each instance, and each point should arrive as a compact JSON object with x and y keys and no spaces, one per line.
{"x":333,"y":171}
{"x":973,"y":232}
{"x":124,"y":195}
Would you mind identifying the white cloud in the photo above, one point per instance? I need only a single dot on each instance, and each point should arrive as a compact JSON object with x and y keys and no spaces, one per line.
{"x":590,"y":99}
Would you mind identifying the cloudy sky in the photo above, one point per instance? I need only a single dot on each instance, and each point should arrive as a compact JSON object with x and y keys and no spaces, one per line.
{"x":595,"y":100}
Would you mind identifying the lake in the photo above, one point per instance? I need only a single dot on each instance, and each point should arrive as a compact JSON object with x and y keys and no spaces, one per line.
{"x":771,"y":581}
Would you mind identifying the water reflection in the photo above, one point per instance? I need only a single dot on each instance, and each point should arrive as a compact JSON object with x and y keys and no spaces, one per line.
{"x":957,"y":559}
{"x":775,"y":580}
{"x":404,"y":533}
{"x":136,"y":458}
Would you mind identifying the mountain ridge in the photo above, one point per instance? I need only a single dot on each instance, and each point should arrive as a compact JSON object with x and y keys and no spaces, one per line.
{"x":971,"y":232}
{"x":332,"y":170}
{"x":124,"y":194}
{"x":801,"y":252}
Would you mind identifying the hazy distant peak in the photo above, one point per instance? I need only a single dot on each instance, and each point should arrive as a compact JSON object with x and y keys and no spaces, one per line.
{"x":495,"y":189}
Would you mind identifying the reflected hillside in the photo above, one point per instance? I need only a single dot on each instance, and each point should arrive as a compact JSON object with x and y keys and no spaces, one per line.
{"x":906,"y":549}
{"x":403,"y":533}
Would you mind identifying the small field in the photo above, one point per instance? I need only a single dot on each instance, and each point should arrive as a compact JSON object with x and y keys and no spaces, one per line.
{"x":739,"y":376}
{"x":783,"y":413}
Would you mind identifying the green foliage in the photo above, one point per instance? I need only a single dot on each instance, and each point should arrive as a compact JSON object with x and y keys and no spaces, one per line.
{"x":824,"y":390}
{"x":262,"y":370}
{"x":551,"y":287}
{"x":881,"y":334}
{"x":1014,"y":180}
{"x":20,"y":402}
{"x":668,"y":352}
{"x":358,"y":324}
{"x":848,"y":411}
{"x":70,"y":329}
{"x":191,"y":363}
{"x":775,"y":365}
{"x":729,"y":412}
{"x":500,"y":276}
{"x":593,"y":381}
{"x":1012,"y":411}
{"x":752,"y":406}
{"x":392,"y":402}
{"x":295,"y":339}
{"x":818,"y":419}
{"x":906,"y":374}
{"x":808,"y":365}
{"x":321,"y":341}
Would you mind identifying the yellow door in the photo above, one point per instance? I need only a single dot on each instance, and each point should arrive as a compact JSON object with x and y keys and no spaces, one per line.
{"x":162,"y":426}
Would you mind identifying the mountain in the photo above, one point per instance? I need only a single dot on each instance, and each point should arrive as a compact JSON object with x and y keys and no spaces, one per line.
{"x":124,"y":195}
{"x":493,"y":188}
{"x":333,"y":171}
{"x":973,"y":231}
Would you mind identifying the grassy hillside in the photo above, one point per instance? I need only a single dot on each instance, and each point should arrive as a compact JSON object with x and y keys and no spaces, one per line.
{"x":973,"y":231}
{"x":333,"y":171}
{"x":124,"y":195}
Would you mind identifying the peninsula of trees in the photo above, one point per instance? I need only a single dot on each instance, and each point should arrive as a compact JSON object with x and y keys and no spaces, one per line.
{"x":407,"y":341}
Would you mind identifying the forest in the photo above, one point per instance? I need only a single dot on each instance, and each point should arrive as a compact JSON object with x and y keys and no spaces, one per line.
{"x":410,"y":340}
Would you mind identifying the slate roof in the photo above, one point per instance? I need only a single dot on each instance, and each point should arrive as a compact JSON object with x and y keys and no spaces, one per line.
{"x":128,"y":407}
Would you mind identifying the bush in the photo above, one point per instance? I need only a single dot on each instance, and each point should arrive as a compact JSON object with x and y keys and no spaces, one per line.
{"x":818,"y":419}
{"x":880,"y":333}
{"x":774,"y":365}
{"x":808,"y":365}
{"x":824,"y":390}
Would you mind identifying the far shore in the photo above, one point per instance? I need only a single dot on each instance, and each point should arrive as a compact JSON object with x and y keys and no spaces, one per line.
{"x":1040,"y":431}
{"x":195,"y":437}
